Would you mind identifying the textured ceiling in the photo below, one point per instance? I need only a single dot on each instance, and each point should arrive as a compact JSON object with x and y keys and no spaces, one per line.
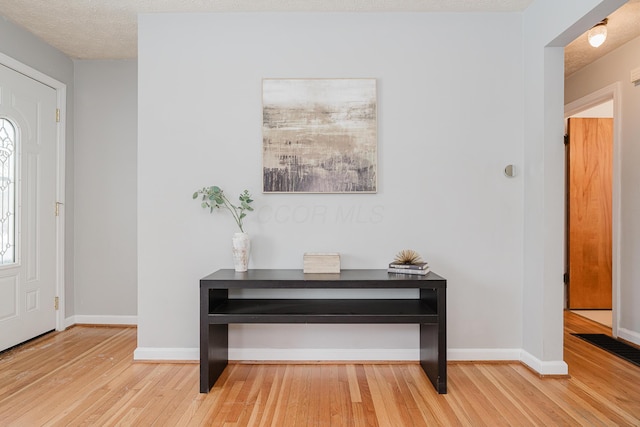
{"x":622,"y":26}
{"x":107,"y":29}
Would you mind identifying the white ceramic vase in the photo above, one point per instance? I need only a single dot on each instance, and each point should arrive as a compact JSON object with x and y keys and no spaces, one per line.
{"x":241,"y":251}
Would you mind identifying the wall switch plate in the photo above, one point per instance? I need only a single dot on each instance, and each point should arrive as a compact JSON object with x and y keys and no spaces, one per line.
{"x":635,"y":75}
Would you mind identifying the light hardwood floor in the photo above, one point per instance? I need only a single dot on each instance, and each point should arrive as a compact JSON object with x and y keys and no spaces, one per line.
{"x":86,"y":376}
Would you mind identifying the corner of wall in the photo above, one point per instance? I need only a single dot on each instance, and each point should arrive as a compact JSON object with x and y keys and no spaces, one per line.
{"x":544,"y":367}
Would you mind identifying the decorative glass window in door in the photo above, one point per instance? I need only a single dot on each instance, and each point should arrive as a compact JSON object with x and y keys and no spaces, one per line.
{"x":7,"y":192}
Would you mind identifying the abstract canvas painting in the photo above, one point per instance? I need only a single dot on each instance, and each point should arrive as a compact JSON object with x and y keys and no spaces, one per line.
{"x":319,"y":135}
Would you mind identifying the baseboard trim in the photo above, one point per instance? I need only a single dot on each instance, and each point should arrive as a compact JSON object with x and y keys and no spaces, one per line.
{"x":628,"y":335}
{"x":280,"y":354}
{"x":542,"y":368}
{"x":166,"y":354}
{"x":553,"y":368}
{"x":100,"y":320}
{"x":324,"y":354}
{"x":333,"y":355}
{"x":324,"y":362}
{"x":483,"y":354}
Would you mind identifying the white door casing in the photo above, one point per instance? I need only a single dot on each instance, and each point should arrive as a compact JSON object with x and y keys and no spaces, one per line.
{"x":28,"y":286}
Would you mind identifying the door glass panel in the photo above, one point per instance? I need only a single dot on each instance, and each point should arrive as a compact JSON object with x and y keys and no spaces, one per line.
{"x":7,"y":192}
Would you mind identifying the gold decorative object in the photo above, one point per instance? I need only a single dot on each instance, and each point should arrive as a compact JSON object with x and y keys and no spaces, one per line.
{"x":408,"y":256}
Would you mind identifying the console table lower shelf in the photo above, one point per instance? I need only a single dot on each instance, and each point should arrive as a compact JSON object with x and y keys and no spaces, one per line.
{"x":217,"y":311}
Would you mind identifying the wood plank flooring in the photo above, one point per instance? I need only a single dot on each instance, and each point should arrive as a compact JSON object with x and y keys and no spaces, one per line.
{"x":85,"y":376}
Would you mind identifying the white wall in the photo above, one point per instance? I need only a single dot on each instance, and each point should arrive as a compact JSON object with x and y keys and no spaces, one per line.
{"x":28,"y":49}
{"x":543,"y":21}
{"x":450,"y":119}
{"x":548,"y":26}
{"x":105,"y":209}
{"x":612,"y":68}
{"x":463,"y":106}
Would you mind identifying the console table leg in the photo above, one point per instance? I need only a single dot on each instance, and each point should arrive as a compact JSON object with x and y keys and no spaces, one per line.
{"x":433,"y":357}
{"x":214,"y":356}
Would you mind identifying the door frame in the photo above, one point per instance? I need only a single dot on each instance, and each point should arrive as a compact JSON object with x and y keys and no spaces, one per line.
{"x":61,"y":95}
{"x":608,"y":93}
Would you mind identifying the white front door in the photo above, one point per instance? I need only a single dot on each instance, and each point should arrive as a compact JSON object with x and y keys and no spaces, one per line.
{"x":27,"y":208}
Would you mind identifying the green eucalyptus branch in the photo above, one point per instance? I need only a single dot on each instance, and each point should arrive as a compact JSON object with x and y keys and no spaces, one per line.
{"x":214,"y":198}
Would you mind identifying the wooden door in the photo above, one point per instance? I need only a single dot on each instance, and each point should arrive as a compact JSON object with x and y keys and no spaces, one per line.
{"x":589,"y":212}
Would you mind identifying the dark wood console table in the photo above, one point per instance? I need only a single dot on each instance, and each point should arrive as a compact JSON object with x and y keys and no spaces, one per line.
{"x":217,"y":311}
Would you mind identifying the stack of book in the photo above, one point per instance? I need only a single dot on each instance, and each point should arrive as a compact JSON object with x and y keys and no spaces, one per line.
{"x":420,"y":268}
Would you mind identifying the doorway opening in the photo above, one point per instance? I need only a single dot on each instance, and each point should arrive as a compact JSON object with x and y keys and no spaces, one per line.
{"x":598,"y":107}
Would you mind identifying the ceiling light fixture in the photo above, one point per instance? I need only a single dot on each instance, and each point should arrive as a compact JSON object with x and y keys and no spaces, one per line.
{"x":598,"y":34}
